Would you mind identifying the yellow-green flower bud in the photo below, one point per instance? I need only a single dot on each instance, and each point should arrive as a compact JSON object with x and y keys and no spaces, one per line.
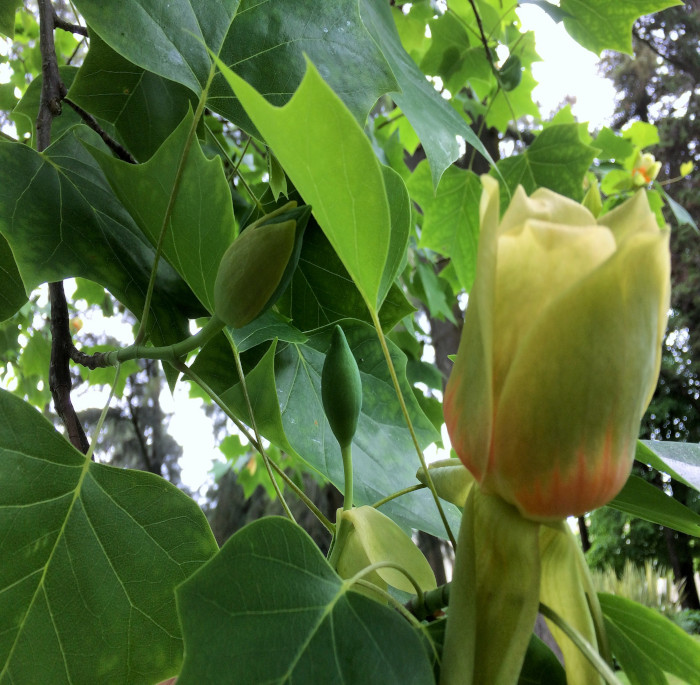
{"x":560,"y":350}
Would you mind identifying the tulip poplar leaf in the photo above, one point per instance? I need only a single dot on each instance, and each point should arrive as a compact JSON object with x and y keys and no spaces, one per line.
{"x":602,"y":25}
{"x":172,"y":38}
{"x":316,"y":125}
{"x":7,"y":17}
{"x":312,"y":298}
{"x":179,"y":179}
{"x":268,"y":45}
{"x":273,"y":606}
{"x":73,"y":198}
{"x":435,"y":122}
{"x":640,"y":636}
{"x":114,"y":89}
{"x":12,"y":295}
{"x":557,"y":160}
{"x":450,"y":217}
{"x":681,"y":460}
{"x":90,"y":561}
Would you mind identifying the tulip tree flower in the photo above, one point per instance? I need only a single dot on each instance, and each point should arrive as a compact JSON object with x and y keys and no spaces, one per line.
{"x":558,"y":360}
{"x":645,"y":169}
{"x":560,"y":350}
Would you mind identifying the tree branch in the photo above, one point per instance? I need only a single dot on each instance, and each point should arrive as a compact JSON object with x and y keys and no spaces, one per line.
{"x":52,"y":92}
{"x":112,"y":144}
{"x":67,"y":26}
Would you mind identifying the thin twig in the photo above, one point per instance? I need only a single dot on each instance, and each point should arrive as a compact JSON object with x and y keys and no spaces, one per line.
{"x":67,"y":26}
{"x":112,"y":144}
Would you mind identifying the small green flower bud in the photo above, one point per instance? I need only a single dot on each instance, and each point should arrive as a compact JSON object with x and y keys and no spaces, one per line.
{"x":341,"y":389}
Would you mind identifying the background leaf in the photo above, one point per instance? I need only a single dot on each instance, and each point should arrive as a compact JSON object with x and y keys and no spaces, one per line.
{"x":557,"y":160}
{"x":90,"y":561}
{"x":600,"y":25}
{"x":681,"y":460}
{"x":305,"y":626}
{"x":640,"y":498}
{"x":644,"y":640}
{"x":436,"y":123}
{"x":450,"y":217}
{"x":12,"y":295}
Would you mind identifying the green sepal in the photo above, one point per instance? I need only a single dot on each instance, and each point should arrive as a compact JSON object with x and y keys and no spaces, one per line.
{"x":494,"y":595}
{"x":451,"y":478}
{"x":258,"y":266}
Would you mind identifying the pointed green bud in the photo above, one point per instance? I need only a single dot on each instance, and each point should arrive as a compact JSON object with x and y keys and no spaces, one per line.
{"x":258,"y":265}
{"x":341,"y":389}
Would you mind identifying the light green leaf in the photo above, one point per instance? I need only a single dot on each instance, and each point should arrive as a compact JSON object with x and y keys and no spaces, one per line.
{"x":508,"y":107}
{"x":436,"y":123}
{"x":642,"y":134}
{"x":643,"y":499}
{"x":269,"y":43}
{"x":400,"y":212}
{"x":451,"y":217}
{"x":557,"y":160}
{"x":113,"y":89}
{"x":173,"y":37}
{"x":681,"y":460}
{"x":269,"y":609}
{"x":649,"y":638}
{"x":602,"y":25}
{"x":91,"y":559}
{"x":45,"y":197}
{"x":613,"y":146}
{"x":322,"y":292}
{"x":266,"y":327}
{"x":682,"y":216}
{"x":345,"y":183}
{"x":12,"y":295}
{"x":179,"y":179}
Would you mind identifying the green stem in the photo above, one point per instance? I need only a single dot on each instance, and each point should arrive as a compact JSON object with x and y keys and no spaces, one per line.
{"x":342,"y":530}
{"x":103,"y":415}
{"x":261,"y":449}
{"x":169,"y":353}
{"x":420,"y":597}
{"x":409,"y":423}
{"x":585,"y":648}
{"x":398,"y":493}
{"x":433,"y":600}
{"x":346,"y":453}
{"x":141,"y":333}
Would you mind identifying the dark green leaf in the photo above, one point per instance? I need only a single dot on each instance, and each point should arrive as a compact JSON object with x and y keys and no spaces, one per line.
{"x":643,"y":499}
{"x":557,"y":160}
{"x":143,"y":107}
{"x":267,"y":45}
{"x":91,"y":559}
{"x":541,"y":666}
{"x":322,"y":291}
{"x":650,"y":639}
{"x":269,"y":609}
{"x":12,"y":295}
{"x":172,"y":38}
{"x":62,"y":193}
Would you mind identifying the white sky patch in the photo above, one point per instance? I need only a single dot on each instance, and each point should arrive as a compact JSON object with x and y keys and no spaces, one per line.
{"x":567,"y":69}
